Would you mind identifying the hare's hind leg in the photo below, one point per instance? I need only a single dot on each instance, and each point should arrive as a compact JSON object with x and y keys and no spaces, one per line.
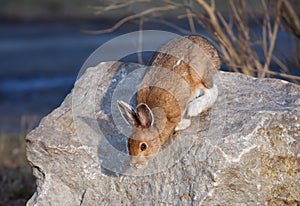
{"x":197,"y":106}
{"x":202,"y":103}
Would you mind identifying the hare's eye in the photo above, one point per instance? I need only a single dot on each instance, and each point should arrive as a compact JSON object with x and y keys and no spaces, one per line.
{"x":143,"y":146}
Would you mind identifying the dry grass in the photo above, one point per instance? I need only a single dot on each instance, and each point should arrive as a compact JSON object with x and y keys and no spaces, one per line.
{"x":12,"y":150}
{"x":230,"y":23}
{"x":16,"y":179}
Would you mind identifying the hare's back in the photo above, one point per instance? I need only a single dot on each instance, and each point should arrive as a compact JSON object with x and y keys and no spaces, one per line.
{"x":194,"y":58}
{"x":180,"y":68}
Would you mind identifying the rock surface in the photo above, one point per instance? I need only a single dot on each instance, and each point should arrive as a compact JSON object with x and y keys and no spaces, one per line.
{"x":244,"y":151}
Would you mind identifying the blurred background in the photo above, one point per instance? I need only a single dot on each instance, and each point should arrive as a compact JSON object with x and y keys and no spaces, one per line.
{"x":43,"y":45}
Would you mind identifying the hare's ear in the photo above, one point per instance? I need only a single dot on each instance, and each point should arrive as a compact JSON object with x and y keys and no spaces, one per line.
{"x":144,"y":115}
{"x":127,"y":113}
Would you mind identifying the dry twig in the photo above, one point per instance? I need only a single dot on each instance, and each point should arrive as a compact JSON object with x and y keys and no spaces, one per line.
{"x":101,"y":9}
{"x":291,"y":18}
{"x":239,"y":47}
{"x":272,"y":36}
{"x":131,"y":17}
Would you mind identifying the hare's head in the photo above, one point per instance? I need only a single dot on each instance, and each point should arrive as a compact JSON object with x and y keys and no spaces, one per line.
{"x":144,"y":142}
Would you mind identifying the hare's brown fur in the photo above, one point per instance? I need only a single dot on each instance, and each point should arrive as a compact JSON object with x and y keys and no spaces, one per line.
{"x":169,"y":89}
{"x":200,"y":76}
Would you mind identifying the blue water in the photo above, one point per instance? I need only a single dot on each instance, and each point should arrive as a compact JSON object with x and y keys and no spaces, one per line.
{"x":35,"y":84}
{"x":39,"y":63}
{"x":45,"y":54}
{"x":34,"y":50}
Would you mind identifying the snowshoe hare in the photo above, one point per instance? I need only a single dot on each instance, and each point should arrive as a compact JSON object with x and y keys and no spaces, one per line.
{"x":178,"y":85}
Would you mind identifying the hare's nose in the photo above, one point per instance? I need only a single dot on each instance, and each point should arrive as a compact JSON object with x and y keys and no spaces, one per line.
{"x":138,"y":165}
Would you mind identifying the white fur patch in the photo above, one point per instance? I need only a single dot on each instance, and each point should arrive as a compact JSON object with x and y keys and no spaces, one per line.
{"x":178,"y":62}
{"x":183,"y":124}
{"x":202,"y":103}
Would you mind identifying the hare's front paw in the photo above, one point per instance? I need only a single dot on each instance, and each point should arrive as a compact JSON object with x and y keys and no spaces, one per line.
{"x":183,"y":124}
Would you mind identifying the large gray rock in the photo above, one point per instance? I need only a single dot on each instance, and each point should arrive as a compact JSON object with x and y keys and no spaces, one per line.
{"x":244,"y":151}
